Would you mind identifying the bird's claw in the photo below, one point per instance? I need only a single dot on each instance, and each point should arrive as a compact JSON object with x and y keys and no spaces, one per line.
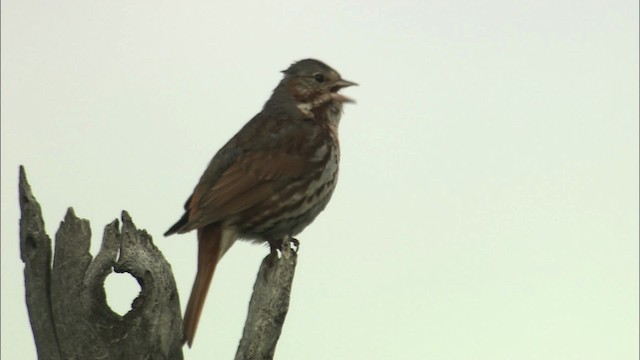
{"x":296,"y":244}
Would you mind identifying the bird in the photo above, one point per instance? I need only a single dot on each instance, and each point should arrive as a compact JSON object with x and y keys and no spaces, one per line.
{"x":271,"y":179}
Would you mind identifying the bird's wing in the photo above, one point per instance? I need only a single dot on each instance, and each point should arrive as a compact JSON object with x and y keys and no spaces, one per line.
{"x":251,"y":180}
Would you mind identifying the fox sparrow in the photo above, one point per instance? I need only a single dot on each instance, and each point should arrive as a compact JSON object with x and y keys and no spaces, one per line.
{"x":272,"y":178}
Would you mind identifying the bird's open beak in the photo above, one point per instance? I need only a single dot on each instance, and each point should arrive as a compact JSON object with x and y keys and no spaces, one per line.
{"x":339,"y":85}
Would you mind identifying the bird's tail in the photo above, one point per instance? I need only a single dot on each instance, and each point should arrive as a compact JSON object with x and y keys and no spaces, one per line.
{"x":211,"y":247}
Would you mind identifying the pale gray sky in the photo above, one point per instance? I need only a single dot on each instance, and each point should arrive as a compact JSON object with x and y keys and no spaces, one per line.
{"x":487,"y":206}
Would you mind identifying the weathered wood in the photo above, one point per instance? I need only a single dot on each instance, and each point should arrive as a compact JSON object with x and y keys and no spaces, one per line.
{"x":67,"y":304}
{"x":35,"y":251}
{"x":269,"y":305}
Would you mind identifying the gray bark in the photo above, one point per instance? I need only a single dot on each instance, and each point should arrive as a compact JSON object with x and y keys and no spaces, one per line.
{"x":67,"y":304}
{"x":35,"y":251}
{"x":269,"y":305}
{"x":68,"y":311}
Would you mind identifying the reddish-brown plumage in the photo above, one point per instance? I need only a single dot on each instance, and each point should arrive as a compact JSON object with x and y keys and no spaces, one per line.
{"x":209,"y":247}
{"x":272,"y":178}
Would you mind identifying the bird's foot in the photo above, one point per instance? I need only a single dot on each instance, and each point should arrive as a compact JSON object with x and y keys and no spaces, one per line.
{"x":296,"y":244}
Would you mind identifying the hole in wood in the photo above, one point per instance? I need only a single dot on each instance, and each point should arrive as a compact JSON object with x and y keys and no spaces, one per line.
{"x":121,"y":290}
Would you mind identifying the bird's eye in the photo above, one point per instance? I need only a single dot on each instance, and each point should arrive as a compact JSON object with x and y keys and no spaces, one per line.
{"x":319,"y":77}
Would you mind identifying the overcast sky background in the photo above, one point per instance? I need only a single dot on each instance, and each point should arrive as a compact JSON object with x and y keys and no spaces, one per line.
{"x":487,"y":206}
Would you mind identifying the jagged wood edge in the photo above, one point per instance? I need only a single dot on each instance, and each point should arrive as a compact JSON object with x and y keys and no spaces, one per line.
{"x":67,"y":303}
{"x":35,"y":252}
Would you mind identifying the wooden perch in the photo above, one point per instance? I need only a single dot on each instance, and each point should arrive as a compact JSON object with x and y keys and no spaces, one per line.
{"x":269,"y":305}
{"x":69,"y":314}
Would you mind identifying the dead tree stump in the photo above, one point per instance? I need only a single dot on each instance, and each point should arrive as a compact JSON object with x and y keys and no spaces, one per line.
{"x":67,"y":305}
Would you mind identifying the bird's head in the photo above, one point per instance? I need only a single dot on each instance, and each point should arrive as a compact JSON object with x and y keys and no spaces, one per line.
{"x":314,"y":85}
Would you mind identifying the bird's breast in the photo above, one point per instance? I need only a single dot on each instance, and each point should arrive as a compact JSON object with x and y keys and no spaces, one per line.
{"x":294,"y":206}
